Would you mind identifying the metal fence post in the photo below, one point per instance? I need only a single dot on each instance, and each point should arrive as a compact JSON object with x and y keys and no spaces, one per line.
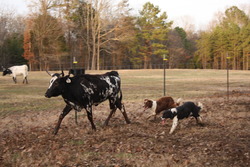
{"x":164,"y":74}
{"x":228,"y":58}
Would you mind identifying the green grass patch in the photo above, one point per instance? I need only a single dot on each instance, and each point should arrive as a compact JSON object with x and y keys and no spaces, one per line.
{"x":77,"y":142}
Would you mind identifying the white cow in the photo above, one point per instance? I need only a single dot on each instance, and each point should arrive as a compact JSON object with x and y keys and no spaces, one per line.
{"x":17,"y":70}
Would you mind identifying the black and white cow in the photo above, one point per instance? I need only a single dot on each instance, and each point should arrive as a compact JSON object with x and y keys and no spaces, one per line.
{"x":17,"y":70}
{"x":83,"y":91}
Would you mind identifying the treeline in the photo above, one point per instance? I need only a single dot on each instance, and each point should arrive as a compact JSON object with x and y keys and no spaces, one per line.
{"x":229,"y":40}
{"x":98,"y":34}
{"x":11,"y":38}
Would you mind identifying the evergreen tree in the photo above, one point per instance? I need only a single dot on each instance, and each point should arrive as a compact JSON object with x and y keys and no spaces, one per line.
{"x":229,"y":38}
{"x":152,"y":34}
{"x":203,"y":52}
{"x":13,"y":45}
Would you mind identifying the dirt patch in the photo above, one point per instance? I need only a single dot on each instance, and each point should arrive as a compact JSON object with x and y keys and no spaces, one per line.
{"x":27,"y":140}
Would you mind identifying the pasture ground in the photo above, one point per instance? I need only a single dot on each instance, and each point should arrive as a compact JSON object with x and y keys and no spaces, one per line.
{"x":27,"y":120}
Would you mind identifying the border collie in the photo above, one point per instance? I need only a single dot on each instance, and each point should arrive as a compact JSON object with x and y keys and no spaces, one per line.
{"x":181,"y":112}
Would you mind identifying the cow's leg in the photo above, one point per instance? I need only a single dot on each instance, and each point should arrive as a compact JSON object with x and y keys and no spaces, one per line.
{"x":113,"y":108}
{"x":90,"y":117}
{"x":110,"y":115}
{"x":122,"y":109}
{"x":125,"y":114}
{"x":65,"y":111}
{"x":14,"y":79}
{"x":25,"y":80}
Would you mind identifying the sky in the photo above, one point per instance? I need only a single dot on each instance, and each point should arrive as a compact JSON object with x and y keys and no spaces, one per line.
{"x":197,"y":12}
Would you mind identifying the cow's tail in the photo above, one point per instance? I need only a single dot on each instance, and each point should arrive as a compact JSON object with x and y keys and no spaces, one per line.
{"x":120,"y":96}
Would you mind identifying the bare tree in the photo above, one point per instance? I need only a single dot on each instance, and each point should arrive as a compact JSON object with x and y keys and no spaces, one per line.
{"x":46,"y":31}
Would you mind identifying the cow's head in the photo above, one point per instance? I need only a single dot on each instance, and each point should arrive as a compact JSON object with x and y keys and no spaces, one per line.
{"x":6,"y":71}
{"x":57,"y":84}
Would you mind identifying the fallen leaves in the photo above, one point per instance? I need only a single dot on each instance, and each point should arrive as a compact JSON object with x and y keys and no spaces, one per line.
{"x":222,"y":141}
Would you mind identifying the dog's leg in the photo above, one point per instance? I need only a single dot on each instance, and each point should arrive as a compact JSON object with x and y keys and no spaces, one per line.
{"x":174,"y":125}
{"x":199,"y":120}
{"x":151,"y":116}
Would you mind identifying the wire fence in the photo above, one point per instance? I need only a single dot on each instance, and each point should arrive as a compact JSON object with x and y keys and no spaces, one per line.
{"x":67,"y":66}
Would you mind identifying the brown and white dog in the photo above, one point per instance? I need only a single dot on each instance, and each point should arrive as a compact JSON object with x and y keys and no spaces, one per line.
{"x":163,"y":103}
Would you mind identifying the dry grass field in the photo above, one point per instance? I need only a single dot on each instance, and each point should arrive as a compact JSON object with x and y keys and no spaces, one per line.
{"x":27,"y":120}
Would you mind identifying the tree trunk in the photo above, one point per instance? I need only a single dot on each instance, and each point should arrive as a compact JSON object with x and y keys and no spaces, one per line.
{"x":93,"y":28}
{"x":93,"y":62}
{"x":88,"y":38}
{"x":248,"y":54}
{"x":145,"y":62}
{"x":204,"y":61}
{"x":244,"y":60}
{"x":223,"y":61}
{"x":98,"y":43}
{"x":216,"y":63}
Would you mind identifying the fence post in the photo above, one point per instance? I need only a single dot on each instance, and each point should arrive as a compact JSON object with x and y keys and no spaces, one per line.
{"x":228,"y":58}
{"x":164,"y":74}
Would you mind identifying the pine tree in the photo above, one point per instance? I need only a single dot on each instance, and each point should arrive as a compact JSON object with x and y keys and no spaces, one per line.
{"x":204,"y":47}
{"x":152,"y":34}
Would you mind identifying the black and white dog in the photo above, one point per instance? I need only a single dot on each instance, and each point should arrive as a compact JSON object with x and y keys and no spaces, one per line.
{"x":181,"y":112}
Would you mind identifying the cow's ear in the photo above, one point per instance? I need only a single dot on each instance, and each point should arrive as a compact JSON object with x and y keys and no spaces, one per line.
{"x":68,"y":80}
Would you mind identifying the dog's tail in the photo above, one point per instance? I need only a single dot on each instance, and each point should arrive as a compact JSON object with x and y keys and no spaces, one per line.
{"x":200,"y":105}
{"x":179,"y":101}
